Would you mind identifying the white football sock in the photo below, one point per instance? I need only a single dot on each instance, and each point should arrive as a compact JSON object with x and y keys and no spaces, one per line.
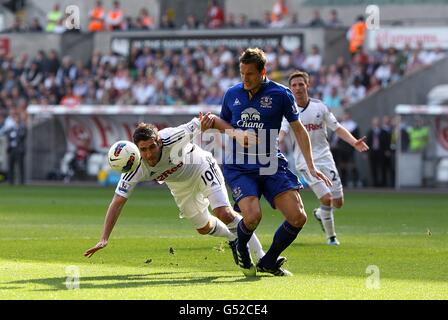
{"x":326,"y":215}
{"x":219,"y":229}
{"x":254,"y":243}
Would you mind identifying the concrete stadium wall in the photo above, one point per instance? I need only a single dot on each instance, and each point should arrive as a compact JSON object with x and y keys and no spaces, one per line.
{"x":31,"y":43}
{"x":77,"y":45}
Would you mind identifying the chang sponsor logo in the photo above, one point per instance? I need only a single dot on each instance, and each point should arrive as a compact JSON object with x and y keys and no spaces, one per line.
{"x":250,"y":118}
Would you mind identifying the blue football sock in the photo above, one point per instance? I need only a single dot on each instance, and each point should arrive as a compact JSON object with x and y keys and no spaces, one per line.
{"x":244,"y":235}
{"x":283,"y":237}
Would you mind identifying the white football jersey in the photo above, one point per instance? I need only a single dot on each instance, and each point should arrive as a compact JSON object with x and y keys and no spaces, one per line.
{"x":180,"y":165}
{"x":315,"y":117}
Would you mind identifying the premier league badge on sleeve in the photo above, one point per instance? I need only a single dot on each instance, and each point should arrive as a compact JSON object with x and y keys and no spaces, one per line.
{"x":124,"y":187}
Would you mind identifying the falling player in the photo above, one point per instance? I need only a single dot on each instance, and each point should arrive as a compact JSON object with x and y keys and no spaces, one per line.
{"x":316,"y":117}
{"x":192,"y":175}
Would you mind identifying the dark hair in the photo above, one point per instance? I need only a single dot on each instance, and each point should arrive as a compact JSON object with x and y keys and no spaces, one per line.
{"x":144,"y":132}
{"x":299,"y":74}
{"x":254,"y":55}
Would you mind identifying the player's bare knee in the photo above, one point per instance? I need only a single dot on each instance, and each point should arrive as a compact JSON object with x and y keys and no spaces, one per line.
{"x":252,"y":221}
{"x":225,"y":214}
{"x":302,"y":218}
{"x":327,"y":199}
{"x":205,"y":229}
{"x":338,"y":203}
{"x":298,"y":220}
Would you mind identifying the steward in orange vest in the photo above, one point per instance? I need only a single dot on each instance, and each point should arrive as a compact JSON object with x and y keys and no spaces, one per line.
{"x":357,"y":35}
{"x":97,"y":16}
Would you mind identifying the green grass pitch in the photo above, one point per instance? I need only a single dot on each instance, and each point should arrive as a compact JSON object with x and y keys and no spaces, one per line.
{"x":45,"y":230}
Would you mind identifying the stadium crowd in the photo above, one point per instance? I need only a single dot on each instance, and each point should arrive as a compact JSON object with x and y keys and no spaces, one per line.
{"x":117,"y":19}
{"x":201,"y":75}
{"x":193,"y":76}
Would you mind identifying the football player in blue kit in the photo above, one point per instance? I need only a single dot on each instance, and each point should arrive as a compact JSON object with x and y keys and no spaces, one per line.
{"x":259,"y":104}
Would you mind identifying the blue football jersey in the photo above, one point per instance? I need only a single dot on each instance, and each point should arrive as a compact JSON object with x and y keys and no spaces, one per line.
{"x":263,"y":113}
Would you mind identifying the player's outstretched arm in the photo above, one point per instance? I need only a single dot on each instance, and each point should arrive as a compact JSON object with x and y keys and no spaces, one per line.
{"x":112,"y":215}
{"x":303,"y":139}
{"x":245,"y":138}
{"x":358,"y":144}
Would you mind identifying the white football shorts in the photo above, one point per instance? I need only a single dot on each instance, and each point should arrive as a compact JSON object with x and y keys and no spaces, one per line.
{"x":318,"y":186}
{"x":206,"y":189}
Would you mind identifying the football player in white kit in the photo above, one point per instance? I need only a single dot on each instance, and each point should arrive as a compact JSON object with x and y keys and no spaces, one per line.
{"x":316,"y":117}
{"x":193,"y":177}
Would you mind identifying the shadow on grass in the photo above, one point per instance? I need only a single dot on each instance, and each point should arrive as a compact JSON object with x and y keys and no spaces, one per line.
{"x":133,"y":281}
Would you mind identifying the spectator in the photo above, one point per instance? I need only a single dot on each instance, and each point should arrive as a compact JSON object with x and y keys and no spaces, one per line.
{"x":313,"y":61}
{"x":17,"y":26}
{"x":333,"y":77}
{"x":60,"y":28}
{"x":145,"y":21}
{"x":418,"y":136}
{"x":32,"y":76}
{"x":53,"y":18}
{"x":110,"y":58}
{"x":374,"y":85}
{"x":36,"y":26}
{"x":333,"y":100}
{"x":266,"y":23}
{"x":215,"y":15}
{"x":15,"y":131}
{"x":345,"y":155}
{"x":142,"y":91}
{"x":66,"y":70}
{"x":129,"y":24}
{"x":242,"y":21}
{"x":384,"y":72}
{"x":439,"y":54}
{"x":53,"y":62}
{"x":230,"y":23}
{"x":69,"y":99}
{"x":356,"y":92}
{"x":192,"y":23}
{"x":294,"y":21}
{"x":166,"y":22}
{"x":334,"y":21}
{"x":97,"y":18}
{"x":214,"y":96}
{"x":115,"y":17}
{"x":279,"y":13}
{"x":414,"y":63}
{"x":317,"y":21}
{"x":400,"y":128}
{"x":297,"y":58}
{"x":377,"y":140}
{"x":389,"y":154}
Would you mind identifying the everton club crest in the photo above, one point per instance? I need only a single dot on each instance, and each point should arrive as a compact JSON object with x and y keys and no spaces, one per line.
{"x":266,"y":102}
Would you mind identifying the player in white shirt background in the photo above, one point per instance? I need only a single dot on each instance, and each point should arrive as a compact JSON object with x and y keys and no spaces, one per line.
{"x":316,"y":118}
{"x":193,"y":177}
